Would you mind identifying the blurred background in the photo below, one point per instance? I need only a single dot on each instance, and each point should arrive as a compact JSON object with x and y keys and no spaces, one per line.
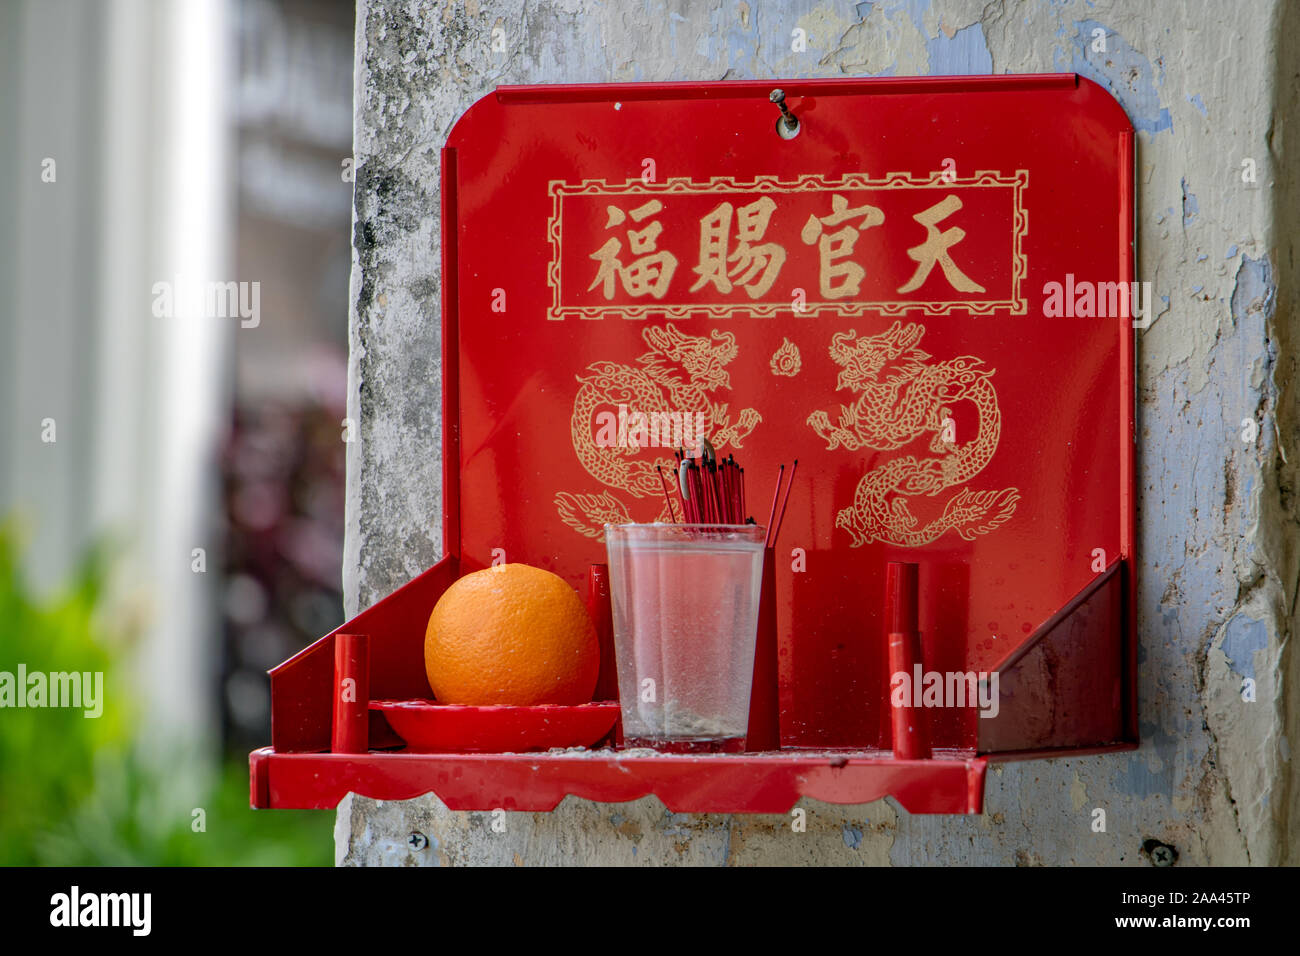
{"x":176,"y":193}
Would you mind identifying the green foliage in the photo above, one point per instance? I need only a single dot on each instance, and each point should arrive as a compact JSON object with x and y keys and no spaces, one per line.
{"x":78,"y":791}
{"x":124,"y":823}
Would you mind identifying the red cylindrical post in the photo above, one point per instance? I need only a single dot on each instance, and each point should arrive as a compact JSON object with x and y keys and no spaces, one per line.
{"x":351,"y":727}
{"x":602,"y":615}
{"x":885,"y":731}
{"x":910,"y":724}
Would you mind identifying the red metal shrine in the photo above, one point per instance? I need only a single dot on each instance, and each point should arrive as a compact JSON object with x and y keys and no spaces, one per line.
{"x":920,"y":288}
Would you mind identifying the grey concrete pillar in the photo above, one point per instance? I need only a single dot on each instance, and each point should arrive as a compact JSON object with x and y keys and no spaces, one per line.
{"x":1211,"y":89}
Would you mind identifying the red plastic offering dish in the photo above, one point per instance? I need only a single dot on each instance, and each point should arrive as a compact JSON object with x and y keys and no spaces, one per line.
{"x":429,"y":727}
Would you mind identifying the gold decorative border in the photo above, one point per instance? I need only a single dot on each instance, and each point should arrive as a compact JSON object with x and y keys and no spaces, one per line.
{"x":1016,"y":305}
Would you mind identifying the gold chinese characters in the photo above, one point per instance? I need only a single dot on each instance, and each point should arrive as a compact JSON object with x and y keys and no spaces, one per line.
{"x":853,"y":246}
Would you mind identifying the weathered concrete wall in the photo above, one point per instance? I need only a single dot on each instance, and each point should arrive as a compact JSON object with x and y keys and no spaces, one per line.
{"x":1214,"y":98}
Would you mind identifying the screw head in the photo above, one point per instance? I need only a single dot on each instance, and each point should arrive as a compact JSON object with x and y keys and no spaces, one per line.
{"x":787,"y":125}
{"x":417,"y":841}
{"x":1162,"y":855}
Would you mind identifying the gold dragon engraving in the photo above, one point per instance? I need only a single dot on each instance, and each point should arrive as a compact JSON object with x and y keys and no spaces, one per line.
{"x":904,"y":398}
{"x":676,"y":378}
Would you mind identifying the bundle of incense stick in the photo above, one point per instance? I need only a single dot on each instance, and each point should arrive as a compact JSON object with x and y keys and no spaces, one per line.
{"x":712,"y":491}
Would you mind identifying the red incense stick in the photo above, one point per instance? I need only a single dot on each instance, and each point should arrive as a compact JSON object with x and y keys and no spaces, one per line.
{"x":712,"y":490}
{"x":771,"y":516}
{"x":784,"y":501}
{"x":664,"y":484}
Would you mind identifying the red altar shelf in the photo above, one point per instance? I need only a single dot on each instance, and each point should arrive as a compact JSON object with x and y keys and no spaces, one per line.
{"x":985,"y":291}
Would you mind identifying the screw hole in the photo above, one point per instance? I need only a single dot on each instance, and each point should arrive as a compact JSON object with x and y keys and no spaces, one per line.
{"x":784,"y":129}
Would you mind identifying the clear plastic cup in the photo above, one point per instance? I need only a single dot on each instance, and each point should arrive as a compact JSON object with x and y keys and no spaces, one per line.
{"x":685,"y":603}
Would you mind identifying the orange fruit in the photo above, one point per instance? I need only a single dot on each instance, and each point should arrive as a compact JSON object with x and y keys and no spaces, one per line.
{"x":511,"y":634}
